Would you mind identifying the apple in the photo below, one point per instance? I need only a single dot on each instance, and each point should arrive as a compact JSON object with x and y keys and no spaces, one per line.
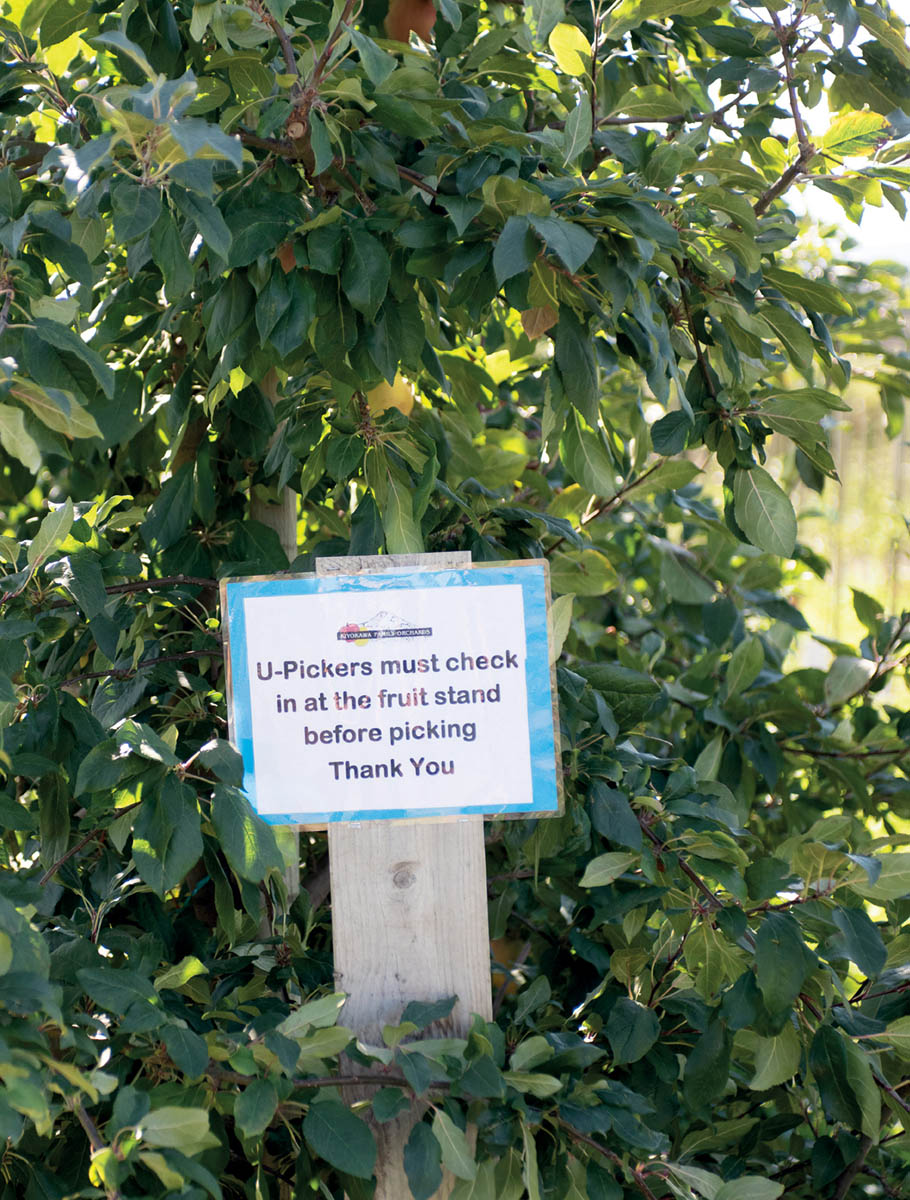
{"x":399,"y":394}
{"x":405,"y":15}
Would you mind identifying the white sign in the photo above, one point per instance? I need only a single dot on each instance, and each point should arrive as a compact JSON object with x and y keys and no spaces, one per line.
{"x":417,"y":693}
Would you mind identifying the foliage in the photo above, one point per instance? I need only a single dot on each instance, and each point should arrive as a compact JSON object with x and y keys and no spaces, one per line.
{"x":222,"y":226}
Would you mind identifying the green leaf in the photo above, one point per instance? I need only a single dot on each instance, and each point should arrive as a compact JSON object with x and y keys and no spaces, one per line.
{"x":533,"y":1082}
{"x":812,"y":294}
{"x":682,"y":579}
{"x":16,"y":440}
{"x":630,"y":14}
{"x":169,"y":514}
{"x":183,"y":1129}
{"x":578,"y":131}
{"x":422,"y":1162}
{"x":847,"y":677}
{"x":377,"y":63}
{"x":62,"y":338}
{"x":515,"y":249}
{"x":852,"y":133}
{"x":530,"y":1174}
{"x":586,"y":456}
{"x":207,"y":218}
{"x":750,"y":1187}
{"x":187,"y":1049}
{"x":120,"y":42}
{"x":577,"y":366}
{"x":776,"y":1059}
{"x":764,"y":512}
{"x":892,"y":882}
{"x":135,"y":209}
{"x":62,"y":19}
{"x":571,"y":49}
{"x":862,"y":1082}
{"x":167,"y":839}
{"x":745,"y":663}
{"x":220,"y":757}
{"x":456,"y":1153}
{"x":897,"y":1035}
{"x":708,"y":1066}
{"x":247,"y":841}
{"x":582,"y":573}
{"x":828,"y":1064}
{"x":606,"y":867}
{"x":560,"y":623}
{"x":255,"y":1107}
{"x":631,"y":1029}
{"x":394,"y":495}
{"x":782,"y":961}
{"x":170,"y":257}
{"x":53,"y":530}
{"x":58,"y":409}
{"x":569,"y":241}
{"x":339,"y":1137}
{"x":860,"y":940}
{"x":365,"y":273}
{"x":181,"y":973}
{"x":629,"y":693}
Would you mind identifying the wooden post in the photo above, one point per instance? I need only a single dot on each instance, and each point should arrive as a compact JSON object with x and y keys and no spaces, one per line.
{"x":409,"y":916}
{"x":282,"y":517}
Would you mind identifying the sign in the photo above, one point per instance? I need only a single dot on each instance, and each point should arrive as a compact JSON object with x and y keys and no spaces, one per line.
{"x":401,"y":694}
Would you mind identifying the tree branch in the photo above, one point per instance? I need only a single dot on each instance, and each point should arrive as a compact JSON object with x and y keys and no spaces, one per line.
{"x":4,"y":311}
{"x":95,"y":1139}
{"x":609,"y":505}
{"x":287,"y":46}
{"x":677,"y":118}
{"x":73,"y":850}
{"x":128,"y":672}
{"x":766,"y":199}
{"x":843,"y":1183}
{"x":320,"y":64}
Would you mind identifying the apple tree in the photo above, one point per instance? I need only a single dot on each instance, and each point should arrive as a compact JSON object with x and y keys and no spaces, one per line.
{"x":562,"y":236}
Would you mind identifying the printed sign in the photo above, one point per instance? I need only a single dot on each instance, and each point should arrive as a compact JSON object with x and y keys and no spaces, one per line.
{"x":411,"y":693}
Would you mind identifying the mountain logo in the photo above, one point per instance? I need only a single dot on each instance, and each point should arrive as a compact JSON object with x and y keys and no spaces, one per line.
{"x":382,"y":625}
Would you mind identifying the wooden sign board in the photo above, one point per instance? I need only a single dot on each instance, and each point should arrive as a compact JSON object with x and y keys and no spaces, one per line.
{"x":410,"y":693}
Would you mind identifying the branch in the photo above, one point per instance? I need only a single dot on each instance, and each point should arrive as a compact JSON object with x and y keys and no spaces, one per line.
{"x":55,"y":867}
{"x":777,"y":189}
{"x":685,"y":868}
{"x":417,"y":180}
{"x":677,"y":118}
{"x":843,"y":1183}
{"x":385,"y":1079}
{"x":609,"y":505}
{"x":320,"y":64}
{"x":699,"y":353}
{"x":287,"y":46}
{"x":145,"y":585}
{"x":141,"y":585}
{"x":897,"y":752}
{"x":4,"y":311}
{"x":95,"y":1139}
{"x":128,"y":672}
{"x":895,"y":1096}
{"x":783,"y":37}
{"x":583,"y":1140}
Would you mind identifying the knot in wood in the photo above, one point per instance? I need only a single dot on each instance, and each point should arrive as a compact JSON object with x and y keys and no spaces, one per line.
{"x":403,"y":875}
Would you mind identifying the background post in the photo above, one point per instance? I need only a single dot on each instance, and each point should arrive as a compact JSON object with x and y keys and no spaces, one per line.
{"x":409,"y":916}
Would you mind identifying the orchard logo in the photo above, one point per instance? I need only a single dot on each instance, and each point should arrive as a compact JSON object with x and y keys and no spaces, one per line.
{"x":383,"y":625}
